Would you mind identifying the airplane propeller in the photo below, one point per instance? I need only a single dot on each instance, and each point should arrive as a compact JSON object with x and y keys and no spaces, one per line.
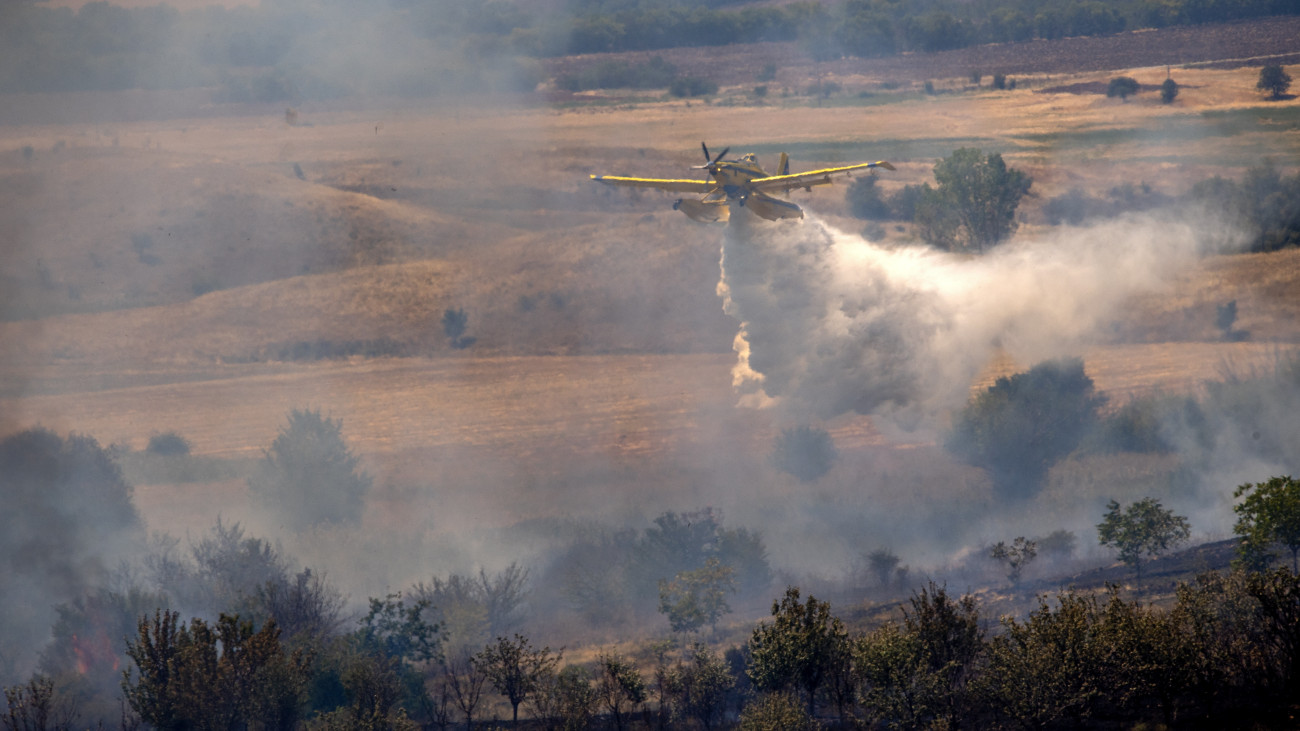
{"x":710,"y":162}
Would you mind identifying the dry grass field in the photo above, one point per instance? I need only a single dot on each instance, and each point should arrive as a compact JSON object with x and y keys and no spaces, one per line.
{"x":158,"y":270}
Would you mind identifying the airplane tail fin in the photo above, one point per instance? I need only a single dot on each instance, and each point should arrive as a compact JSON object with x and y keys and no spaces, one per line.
{"x":783,"y":168}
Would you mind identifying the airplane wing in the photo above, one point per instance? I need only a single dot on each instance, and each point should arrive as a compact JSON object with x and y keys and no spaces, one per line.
{"x":810,"y":178}
{"x":676,"y":186}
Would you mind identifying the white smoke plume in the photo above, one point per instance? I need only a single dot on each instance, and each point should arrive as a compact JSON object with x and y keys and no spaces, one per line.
{"x":832,"y":323}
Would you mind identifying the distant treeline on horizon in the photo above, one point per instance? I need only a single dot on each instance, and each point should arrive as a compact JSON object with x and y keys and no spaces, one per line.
{"x":309,"y":49}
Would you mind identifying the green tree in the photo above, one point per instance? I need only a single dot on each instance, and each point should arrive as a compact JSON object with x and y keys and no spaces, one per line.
{"x":454,"y":324}
{"x":225,"y":570}
{"x":516,"y":669}
{"x":619,"y":687}
{"x":37,"y":707}
{"x":1169,"y":91}
{"x":699,"y":687}
{"x":566,"y":700}
{"x":474,"y":609}
{"x":1047,"y":671}
{"x":896,"y":683}
{"x":305,"y":607}
{"x":1021,"y":425}
{"x":799,"y":649}
{"x":309,"y":475}
{"x":212,"y":677}
{"x":1016,"y":556}
{"x":1152,"y":656}
{"x":696,"y":598}
{"x":1142,"y":530}
{"x":374,"y":686}
{"x":1277,"y":593}
{"x":1268,"y":513}
{"x":398,"y":630}
{"x":974,"y":205}
{"x":1232,"y":658}
{"x":1274,"y":80}
{"x":916,"y":676}
{"x":463,"y":680}
{"x":1122,"y":87}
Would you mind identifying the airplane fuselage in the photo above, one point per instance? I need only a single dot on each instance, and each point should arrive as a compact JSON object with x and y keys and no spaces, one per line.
{"x":740,"y":183}
{"x":733,"y":176}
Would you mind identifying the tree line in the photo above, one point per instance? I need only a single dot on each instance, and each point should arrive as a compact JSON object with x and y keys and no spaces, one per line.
{"x":973,"y":205}
{"x":281,"y":50}
{"x":281,"y":652}
{"x":1223,"y":654}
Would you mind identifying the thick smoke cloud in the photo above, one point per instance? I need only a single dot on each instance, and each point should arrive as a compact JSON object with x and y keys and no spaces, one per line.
{"x":832,"y":323}
{"x":68,"y":515}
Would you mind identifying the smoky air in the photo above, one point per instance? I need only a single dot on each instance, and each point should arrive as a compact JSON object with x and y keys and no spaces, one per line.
{"x":316,"y":332}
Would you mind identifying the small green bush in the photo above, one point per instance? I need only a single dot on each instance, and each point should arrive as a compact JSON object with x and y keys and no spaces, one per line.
{"x":1122,"y":87}
{"x":806,"y":452}
{"x":168,"y":444}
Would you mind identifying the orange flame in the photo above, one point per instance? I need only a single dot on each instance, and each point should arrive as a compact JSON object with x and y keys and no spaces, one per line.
{"x":95,"y":652}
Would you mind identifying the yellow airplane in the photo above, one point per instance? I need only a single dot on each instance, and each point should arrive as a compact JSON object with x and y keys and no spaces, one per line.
{"x":741,"y":181}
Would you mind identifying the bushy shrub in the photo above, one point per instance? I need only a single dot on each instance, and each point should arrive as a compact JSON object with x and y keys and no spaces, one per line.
{"x":1122,"y":87}
{"x":806,"y":452}
{"x":776,"y":712}
{"x":168,"y":444}
{"x":865,"y":201}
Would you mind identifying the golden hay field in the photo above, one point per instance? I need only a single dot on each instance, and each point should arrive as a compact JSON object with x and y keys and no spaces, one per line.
{"x":164,"y":263}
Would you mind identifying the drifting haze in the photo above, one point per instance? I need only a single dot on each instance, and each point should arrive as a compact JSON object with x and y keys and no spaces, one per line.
{"x":832,"y":323}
